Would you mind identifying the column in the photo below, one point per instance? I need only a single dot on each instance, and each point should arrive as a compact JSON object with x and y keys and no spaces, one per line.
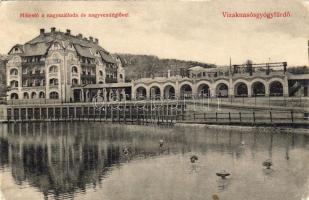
{"x":231,"y":87}
{"x":267,"y":90}
{"x":177,"y":90}
{"x":285,"y":86}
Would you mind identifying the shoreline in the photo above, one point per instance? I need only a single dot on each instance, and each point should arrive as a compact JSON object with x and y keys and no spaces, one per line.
{"x":247,"y":128}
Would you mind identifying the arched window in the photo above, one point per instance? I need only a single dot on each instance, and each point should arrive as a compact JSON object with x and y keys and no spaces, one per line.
{"x":74,"y":81}
{"x":120,"y":76}
{"x":53,"y":95}
{"x":13,"y":72}
{"x":14,"y":96}
{"x":53,"y":69}
{"x":14,"y":83}
{"x":41,"y":95}
{"x":26,"y":95}
{"x":53,"y":81}
{"x":33,"y":95}
{"x":100,"y":73}
{"x":74,"y":70}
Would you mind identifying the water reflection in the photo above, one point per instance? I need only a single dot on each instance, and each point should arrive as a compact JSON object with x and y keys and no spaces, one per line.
{"x":64,"y":160}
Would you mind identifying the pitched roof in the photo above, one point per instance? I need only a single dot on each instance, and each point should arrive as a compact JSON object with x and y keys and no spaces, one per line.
{"x":36,"y":49}
{"x":83,"y":51}
{"x":84,"y":47}
{"x":107,"y":57}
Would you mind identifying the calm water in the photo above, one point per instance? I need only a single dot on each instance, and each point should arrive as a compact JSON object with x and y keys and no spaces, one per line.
{"x":115,"y":162}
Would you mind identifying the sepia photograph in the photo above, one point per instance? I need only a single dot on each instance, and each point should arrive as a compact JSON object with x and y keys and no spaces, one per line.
{"x":154,"y":100}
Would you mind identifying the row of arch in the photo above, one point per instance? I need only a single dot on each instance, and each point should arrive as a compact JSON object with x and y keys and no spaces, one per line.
{"x":221,"y":89}
{"x":35,"y":95}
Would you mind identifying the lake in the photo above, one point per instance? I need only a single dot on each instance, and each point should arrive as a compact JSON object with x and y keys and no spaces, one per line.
{"x":92,"y":160}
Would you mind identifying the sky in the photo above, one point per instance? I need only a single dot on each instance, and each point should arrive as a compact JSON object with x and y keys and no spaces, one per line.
{"x":186,"y":30}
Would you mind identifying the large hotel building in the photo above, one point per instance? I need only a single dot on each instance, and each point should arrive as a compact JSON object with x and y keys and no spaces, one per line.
{"x":51,"y":64}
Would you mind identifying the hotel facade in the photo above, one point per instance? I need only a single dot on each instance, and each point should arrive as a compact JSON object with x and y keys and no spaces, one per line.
{"x":53,"y":63}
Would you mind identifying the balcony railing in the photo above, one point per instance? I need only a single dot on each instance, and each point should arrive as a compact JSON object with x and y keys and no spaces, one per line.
{"x":53,"y":61}
{"x":110,"y":80}
{"x":35,"y":75}
{"x":88,"y":65}
{"x":30,"y":64}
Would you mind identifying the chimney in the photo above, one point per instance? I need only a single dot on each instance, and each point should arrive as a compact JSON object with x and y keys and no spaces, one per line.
{"x":42,"y":31}
{"x":53,"y":29}
{"x":91,"y":39}
{"x":80,"y":36}
{"x":68,"y":32}
{"x":96,"y":41}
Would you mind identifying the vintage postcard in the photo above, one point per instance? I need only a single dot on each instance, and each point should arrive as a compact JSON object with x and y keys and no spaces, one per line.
{"x":162,"y":100}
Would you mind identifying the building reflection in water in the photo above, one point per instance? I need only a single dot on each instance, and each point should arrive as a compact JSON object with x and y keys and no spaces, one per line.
{"x":65,"y":158}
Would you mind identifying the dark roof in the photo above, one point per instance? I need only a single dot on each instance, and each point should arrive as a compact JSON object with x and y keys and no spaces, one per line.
{"x":84,"y":47}
{"x":36,"y":49}
{"x":107,"y":57}
{"x":83,"y":51}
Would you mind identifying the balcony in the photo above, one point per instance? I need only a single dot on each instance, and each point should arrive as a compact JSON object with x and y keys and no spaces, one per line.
{"x":88,"y":65}
{"x":87,"y":76}
{"x":53,"y":61}
{"x":110,"y":80}
{"x":53,"y":85}
{"x":31,"y":64}
{"x":36,"y":75}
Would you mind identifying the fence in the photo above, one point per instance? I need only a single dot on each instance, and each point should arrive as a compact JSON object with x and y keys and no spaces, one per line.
{"x":268,"y":118}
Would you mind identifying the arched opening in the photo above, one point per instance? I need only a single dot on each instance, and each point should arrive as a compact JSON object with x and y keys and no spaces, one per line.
{"x":74,"y":70}
{"x":41,"y":95}
{"x":169,"y":92}
{"x":100,"y":82}
{"x":155,"y":92}
{"x":186,"y":91}
{"x":33,"y":95}
{"x":276,"y":88}
{"x":222,"y":90}
{"x":100,"y":73}
{"x":53,"y":69}
{"x":203,"y":90}
{"x":241,"y":90}
{"x":74,"y":81}
{"x":141,"y":93}
{"x":26,"y":95}
{"x":258,"y":89}
{"x":13,"y":72}
{"x":14,"y":84}
{"x":14,"y":96}
{"x":54,"y":95}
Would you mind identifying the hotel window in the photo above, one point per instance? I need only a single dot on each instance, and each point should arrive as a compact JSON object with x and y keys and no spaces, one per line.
{"x":53,"y":81}
{"x":26,"y":95}
{"x":53,"y":69}
{"x":13,"y":72}
{"x":74,"y":70}
{"x":14,"y":83}
{"x":42,"y":95}
{"x":53,"y":95}
{"x":74,"y":81}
